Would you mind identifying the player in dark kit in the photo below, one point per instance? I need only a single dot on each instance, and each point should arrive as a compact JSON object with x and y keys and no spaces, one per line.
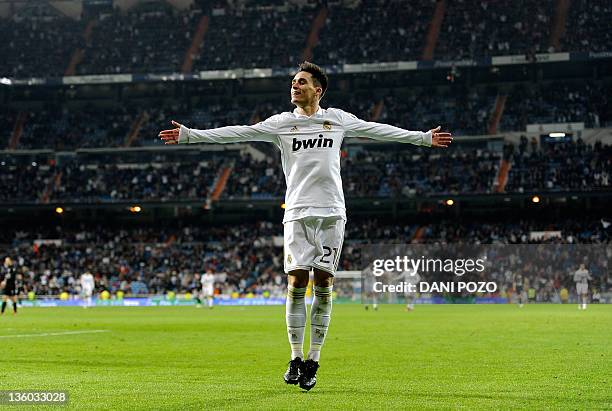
{"x":10,"y":285}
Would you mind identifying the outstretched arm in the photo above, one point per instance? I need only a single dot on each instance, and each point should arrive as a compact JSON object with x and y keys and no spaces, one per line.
{"x":384,"y":132}
{"x":264,"y":131}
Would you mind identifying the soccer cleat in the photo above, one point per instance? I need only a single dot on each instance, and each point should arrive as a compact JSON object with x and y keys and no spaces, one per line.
{"x":308,"y":374}
{"x":292,"y":375}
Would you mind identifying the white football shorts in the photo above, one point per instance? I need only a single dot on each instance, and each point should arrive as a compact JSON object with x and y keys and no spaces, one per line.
{"x":582,"y":288}
{"x":208,"y":291}
{"x":313,"y":242}
{"x":87,"y":291}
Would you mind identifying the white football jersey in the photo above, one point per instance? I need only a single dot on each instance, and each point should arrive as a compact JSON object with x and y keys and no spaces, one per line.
{"x":581,"y":276}
{"x":87,"y":281}
{"x":208,"y":280}
{"x":410,"y":276}
{"x":310,"y":153}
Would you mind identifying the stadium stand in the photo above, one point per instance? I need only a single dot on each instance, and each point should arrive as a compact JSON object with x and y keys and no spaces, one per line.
{"x":556,"y":102}
{"x":556,"y":167}
{"x":152,"y":177}
{"x":587,"y":24}
{"x":150,"y":260}
{"x":141,"y":182}
{"x":367,"y":171}
{"x":397,"y":25}
{"x":63,"y":128}
{"x":24,"y":183}
{"x":154,"y":37}
{"x":38,"y":42}
{"x":87,"y":124}
{"x":243,"y":38}
{"x":150,"y":38}
{"x":479,"y":29}
{"x":56,"y":137}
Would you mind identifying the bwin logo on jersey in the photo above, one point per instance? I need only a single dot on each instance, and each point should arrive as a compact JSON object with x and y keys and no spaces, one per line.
{"x":312,"y":143}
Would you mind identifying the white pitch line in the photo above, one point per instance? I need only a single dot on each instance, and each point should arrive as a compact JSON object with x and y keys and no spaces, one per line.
{"x":53,"y":334}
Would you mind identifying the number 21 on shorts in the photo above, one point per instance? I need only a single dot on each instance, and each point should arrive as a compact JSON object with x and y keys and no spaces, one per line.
{"x":327,"y":252}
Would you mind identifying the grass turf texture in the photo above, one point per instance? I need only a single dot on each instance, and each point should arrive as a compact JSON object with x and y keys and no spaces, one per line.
{"x":438,"y":357}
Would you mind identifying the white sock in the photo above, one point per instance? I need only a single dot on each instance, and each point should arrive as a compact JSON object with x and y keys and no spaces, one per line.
{"x":320,"y":316}
{"x":295,"y":314}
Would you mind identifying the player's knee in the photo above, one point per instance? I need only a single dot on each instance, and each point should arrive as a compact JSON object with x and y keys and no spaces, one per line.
{"x":298,"y":278}
{"x":323,"y":278}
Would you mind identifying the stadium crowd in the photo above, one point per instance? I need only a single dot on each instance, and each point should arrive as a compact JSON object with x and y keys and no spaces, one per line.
{"x":64,"y":128}
{"x":38,"y":44}
{"x":588,"y":23}
{"x":473,"y":29}
{"x":152,"y":182}
{"x":154,"y":37}
{"x":145,"y":260}
{"x":560,"y":166}
{"x":80,"y":182}
{"x":149,"y":38}
{"x":247,"y":257}
{"x":556,"y":102}
{"x":465,"y":111}
{"x":24,"y":184}
{"x":250,"y":37}
{"x":396,"y":30}
{"x":368,"y":170}
{"x":372,"y":172}
{"x":395,"y":173}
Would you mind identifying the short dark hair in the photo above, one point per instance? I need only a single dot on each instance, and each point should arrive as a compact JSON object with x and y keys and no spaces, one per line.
{"x":318,"y":76}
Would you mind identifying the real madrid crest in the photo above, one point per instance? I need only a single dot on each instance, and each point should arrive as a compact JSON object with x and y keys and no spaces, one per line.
{"x":327,"y":125}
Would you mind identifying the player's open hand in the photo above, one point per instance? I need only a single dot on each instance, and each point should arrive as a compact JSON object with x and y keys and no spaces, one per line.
{"x":171,"y":136}
{"x":440,"y":139}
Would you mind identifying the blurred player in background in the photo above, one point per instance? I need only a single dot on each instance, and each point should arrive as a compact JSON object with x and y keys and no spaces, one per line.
{"x":368,"y":289}
{"x":9,"y":285}
{"x":208,"y":287}
{"x":87,"y":288}
{"x":374,"y":303}
{"x":309,"y":139}
{"x":413,"y":278}
{"x":519,"y":289}
{"x":581,"y":278}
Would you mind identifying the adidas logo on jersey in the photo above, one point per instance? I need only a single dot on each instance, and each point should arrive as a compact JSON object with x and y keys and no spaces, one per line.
{"x":294,"y":128}
{"x":312,"y":143}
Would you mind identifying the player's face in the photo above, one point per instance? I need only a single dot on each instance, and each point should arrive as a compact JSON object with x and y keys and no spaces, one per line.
{"x":303,"y":89}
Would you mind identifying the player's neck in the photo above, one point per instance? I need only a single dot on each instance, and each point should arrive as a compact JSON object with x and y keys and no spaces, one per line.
{"x":309,"y":109}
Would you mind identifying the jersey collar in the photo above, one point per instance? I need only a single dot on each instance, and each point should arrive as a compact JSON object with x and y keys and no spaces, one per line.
{"x":319,"y":112}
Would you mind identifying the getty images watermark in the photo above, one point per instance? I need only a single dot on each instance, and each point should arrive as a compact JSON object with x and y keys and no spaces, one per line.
{"x":479,"y":273}
{"x":409,"y":272}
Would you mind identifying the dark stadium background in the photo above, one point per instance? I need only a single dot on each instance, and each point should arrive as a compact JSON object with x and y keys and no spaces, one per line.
{"x":86,"y":185}
{"x":86,"y":86}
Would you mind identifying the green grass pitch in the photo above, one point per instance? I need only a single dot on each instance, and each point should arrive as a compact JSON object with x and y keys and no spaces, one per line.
{"x":437,"y":357}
